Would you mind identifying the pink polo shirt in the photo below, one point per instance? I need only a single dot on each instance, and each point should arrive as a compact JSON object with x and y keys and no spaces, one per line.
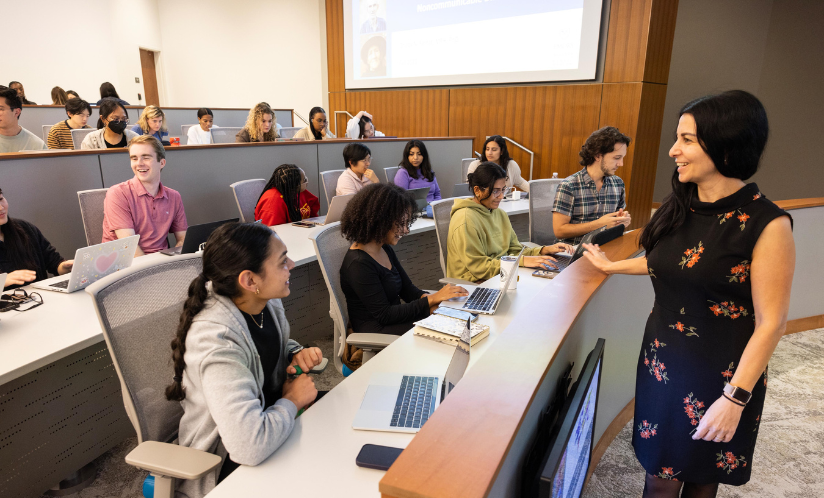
{"x":129,"y":206}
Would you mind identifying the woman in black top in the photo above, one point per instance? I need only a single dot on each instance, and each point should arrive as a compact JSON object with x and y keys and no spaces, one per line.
{"x":24,"y":253}
{"x":372,"y":278}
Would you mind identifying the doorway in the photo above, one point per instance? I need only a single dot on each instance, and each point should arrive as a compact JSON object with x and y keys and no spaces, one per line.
{"x":147,"y":64}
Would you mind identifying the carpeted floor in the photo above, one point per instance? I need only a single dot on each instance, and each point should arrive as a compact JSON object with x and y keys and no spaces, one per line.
{"x":789,"y":456}
{"x":117,"y":479}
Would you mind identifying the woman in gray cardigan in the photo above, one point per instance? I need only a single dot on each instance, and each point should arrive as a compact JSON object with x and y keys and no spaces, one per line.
{"x":232,"y":354}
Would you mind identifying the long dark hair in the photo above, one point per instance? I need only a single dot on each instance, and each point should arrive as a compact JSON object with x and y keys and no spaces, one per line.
{"x":732,"y":128}
{"x":230,"y":250}
{"x":287,"y":180}
{"x":484,"y":177}
{"x":107,"y":90}
{"x":426,"y":167}
{"x":375,"y":210}
{"x":503,"y":161}
{"x":316,"y":133}
{"x":108,"y":106}
{"x":17,"y":244}
{"x":362,"y":126}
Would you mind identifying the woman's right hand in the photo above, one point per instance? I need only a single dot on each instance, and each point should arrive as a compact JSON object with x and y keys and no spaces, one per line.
{"x":597,"y":257}
{"x":20,"y":277}
{"x":448,"y":291}
{"x":539,"y":261}
{"x":301,"y":391}
{"x":372,"y":176}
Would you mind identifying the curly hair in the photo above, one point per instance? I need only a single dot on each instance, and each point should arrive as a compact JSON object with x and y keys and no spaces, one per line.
{"x":601,"y":142}
{"x":151,"y":112}
{"x":255,"y":115}
{"x":287,"y":180}
{"x":375,"y":210}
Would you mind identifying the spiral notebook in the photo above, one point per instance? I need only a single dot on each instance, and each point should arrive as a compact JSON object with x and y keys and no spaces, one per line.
{"x":448,"y":330}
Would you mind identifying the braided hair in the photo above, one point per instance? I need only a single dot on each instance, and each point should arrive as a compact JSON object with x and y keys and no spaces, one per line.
{"x":287,"y":180}
{"x":231,"y":249}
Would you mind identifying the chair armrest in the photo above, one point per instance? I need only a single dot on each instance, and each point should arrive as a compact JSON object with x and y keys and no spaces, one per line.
{"x":172,"y":460}
{"x":457,"y":281}
{"x":371,"y":340}
{"x":530,"y":244}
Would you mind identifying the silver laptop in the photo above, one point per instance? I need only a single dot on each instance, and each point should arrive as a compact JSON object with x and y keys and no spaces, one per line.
{"x":396,"y":402}
{"x":335,"y":213}
{"x":93,"y":263}
{"x":419,"y":194}
{"x":485,"y":299}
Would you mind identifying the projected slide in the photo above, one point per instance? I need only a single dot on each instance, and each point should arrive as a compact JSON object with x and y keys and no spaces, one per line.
{"x":396,"y":43}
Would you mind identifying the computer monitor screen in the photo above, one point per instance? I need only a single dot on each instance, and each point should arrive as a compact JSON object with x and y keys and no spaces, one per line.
{"x":566,"y":468}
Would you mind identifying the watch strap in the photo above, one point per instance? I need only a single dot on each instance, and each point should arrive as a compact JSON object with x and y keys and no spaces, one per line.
{"x":738,"y":394}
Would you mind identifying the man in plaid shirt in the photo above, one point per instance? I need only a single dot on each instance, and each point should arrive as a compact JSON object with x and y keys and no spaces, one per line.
{"x":593,"y":197}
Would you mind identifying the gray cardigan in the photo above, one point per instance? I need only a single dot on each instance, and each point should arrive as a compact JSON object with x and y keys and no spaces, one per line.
{"x":223,"y":379}
{"x":94,"y":140}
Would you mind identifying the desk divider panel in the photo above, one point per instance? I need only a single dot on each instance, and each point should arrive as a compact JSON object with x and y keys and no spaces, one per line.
{"x":34,"y":117}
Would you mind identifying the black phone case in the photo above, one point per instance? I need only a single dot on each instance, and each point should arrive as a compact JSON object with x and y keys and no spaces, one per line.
{"x":373,"y":456}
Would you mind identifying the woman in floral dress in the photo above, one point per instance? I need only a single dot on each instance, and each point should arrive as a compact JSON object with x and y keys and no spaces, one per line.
{"x":721,"y":260}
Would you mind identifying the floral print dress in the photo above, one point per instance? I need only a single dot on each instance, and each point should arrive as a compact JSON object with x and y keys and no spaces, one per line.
{"x":699,"y":326}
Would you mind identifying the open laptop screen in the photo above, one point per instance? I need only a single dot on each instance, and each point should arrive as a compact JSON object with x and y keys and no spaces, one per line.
{"x":460,"y":360}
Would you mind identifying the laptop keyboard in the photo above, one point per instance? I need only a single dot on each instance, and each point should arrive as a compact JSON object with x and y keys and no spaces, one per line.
{"x":416,"y":401}
{"x":562,"y":262}
{"x":63,"y":284}
{"x":482,"y":299}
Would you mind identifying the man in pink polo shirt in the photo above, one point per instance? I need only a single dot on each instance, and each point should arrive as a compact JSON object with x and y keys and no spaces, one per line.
{"x":143,"y":205}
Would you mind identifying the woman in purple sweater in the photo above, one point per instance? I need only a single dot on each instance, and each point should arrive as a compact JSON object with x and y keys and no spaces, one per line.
{"x":416,"y":172}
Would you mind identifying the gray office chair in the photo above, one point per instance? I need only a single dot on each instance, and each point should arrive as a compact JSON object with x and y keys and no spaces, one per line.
{"x":465,"y":167}
{"x":91,"y":210}
{"x":390,"y":174}
{"x":330,"y":248}
{"x":541,"y":198}
{"x":288,"y":131}
{"x":139,"y":309}
{"x":461,"y":190}
{"x":225,"y":135}
{"x":184,"y":133}
{"x":46,"y":129}
{"x":78,"y":135}
{"x":330,"y":183}
{"x":442,"y":212}
{"x":247,"y":194}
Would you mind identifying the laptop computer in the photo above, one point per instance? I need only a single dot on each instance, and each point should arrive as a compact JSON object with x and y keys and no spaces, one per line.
{"x":486,"y":299}
{"x":461,"y":190}
{"x":397,"y":402}
{"x":598,"y":236}
{"x":335,"y":213}
{"x":196,"y":235}
{"x":419,"y":194}
{"x":93,"y":263}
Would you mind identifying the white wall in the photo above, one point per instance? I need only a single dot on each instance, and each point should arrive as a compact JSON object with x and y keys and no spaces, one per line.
{"x":212,"y":53}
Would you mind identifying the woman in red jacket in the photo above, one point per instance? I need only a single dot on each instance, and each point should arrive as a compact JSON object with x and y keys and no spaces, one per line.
{"x":285,"y":198}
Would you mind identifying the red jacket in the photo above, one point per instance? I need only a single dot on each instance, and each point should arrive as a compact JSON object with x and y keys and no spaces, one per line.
{"x":271,"y":208}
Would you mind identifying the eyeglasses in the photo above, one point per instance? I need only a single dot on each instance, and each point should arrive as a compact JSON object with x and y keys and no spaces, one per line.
{"x":24,"y":300}
{"x":498,"y":192}
{"x":124,"y":121}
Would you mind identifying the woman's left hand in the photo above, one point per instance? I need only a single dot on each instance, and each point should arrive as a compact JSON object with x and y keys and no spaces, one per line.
{"x":719,"y":422}
{"x":372,"y":176}
{"x":306,"y":359}
{"x":556,"y":248}
{"x":65,"y":267}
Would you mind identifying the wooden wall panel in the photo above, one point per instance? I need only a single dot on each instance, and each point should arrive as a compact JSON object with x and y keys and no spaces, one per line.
{"x":552,"y":121}
{"x":659,"y":44}
{"x":337,"y":102}
{"x":334,"y":45}
{"x":403,"y":113}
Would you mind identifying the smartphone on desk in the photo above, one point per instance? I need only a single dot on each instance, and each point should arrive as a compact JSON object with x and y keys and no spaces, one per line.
{"x":304,"y":224}
{"x":373,"y":456}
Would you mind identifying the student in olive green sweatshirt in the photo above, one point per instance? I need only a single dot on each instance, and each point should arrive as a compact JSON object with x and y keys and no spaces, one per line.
{"x":480,"y":233}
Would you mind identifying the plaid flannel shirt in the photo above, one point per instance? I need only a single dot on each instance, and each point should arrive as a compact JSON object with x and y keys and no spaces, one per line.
{"x":576,"y":197}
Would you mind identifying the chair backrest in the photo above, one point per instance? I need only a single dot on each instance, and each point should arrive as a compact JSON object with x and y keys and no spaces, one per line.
{"x":541,"y":198}
{"x":184,"y":133}
{"x":91,"y":210}
{"x":247,"y":194}
{"x":288,"y":131}
{"x":225,"y":135}
{"x":442,"y":212}
{"x":390,"y":174}
{"x":461,"y":190}
{"x":139,"y":310}
{"x":330,"y":183}
{"x":78,"y":135}
{"x":465,"y":167}
{"x":330,"y":248}
{"x":46,"y":129}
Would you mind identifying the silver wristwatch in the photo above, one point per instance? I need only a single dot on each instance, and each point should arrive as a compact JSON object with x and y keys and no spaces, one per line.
{"x":738,"y":394}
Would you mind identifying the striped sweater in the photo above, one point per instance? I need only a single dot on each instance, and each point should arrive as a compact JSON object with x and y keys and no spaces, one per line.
{"x":60,"y":136}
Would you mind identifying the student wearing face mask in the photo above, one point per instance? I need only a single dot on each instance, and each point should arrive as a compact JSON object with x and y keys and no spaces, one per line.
{"x":361,"y":126}
{"x":60,"y":135}
{"x":152,"y":122}
{"x":111,"y":127}
{"x":416,"y":171}
{"x":318,"y":128}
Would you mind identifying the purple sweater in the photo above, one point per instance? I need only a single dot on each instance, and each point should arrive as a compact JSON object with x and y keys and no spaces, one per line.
{"x":404,"y":181}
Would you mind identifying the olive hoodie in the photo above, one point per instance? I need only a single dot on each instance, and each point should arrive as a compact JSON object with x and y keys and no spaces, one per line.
{"x":478,"y":237}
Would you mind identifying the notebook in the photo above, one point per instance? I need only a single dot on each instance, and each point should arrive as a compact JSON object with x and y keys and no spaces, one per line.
{"x":448,"y":330}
